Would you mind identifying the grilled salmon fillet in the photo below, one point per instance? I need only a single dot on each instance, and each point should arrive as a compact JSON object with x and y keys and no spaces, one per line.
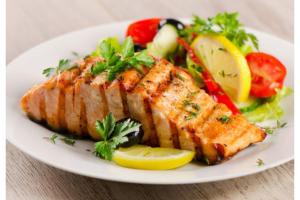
{"x":138,"y":100}
{"x":173,"y":111}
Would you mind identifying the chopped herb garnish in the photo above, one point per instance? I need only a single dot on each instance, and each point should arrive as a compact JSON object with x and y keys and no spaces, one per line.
{"x":206,"y":160}
{"x":191,"y":115}
{"x":112,"y":134}
{"x":186,"y":103}
{"x":260,"y":162}
{"x":192,"y":94}
{"x":68,"y":141}
{"x":63,"y":65}
{"x":196,"y":106}
{"x":224,"y":119}
{"x":52,"y":138}
{"x":223,"y":74}
{"x":48,"y":71}
{"x":270,"y":130}
{"x":118,"y":58}
{"x":222,"y":49}
{"x":75,"y":54}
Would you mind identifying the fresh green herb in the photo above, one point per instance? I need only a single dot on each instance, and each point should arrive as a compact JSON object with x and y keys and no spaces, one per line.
{"x":226,"y":24}
{"x":223,"y":74}
{"x":113,"y":42}
{"x":118,"y":58}
{"x":76,"y":54}
{"x":260,"y":162}
{"x":48,"y":71}
{"x":206,"y":160}
{"x":191,"y":115}
{"x":270,"y":130}
{"x":52,"y":138}
{"x":112,"y":135}
{"x":195,"y":70}
{"x":98,"y":67}
{"x":191,"y":94}
{"x":68,"y":141}
{"x":222,"y":49}
{"x":63,"y":65}
{"x":196,"y":106}
{"x":127,"y":48}
{"x":186,"y":102}
{"x":224,"y":119}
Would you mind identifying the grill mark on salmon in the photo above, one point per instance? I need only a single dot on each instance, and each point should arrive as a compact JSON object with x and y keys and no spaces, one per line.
{"x":138,"y":98}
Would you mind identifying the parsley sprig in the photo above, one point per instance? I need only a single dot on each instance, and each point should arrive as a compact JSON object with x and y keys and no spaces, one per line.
{"x":118,"y":58}
{"x":112,"y":134}
{"x":224,"y":119}
{"x":66,"y":140}
{"x":226,"y":24}
{"x":270,"y":130}
{"x":63,"y":65}
{"x":260,"y":162}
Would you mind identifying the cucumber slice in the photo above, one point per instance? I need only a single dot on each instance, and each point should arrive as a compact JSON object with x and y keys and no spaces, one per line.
{"x":165,"y":42}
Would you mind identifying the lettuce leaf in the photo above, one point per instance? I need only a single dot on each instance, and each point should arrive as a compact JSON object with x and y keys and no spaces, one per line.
{"x":113,"y":41}
{"x":268,"y":110}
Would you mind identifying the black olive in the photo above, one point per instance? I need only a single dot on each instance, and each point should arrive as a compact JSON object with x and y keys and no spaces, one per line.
{"x":134,"y":137}
{"x":138,"y":48}
{"x":177,"y":24}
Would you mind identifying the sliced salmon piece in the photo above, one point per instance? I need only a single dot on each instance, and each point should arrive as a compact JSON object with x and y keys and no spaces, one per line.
{"x":116,"y":92}
{"x":197,"y":107}
{"x":138,"y":100}
{"x":33,"y":103}
{"x":222,"y":133}
{"x":168,"y":104}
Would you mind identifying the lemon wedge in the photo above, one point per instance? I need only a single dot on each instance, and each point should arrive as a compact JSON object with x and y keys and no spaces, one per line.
{"x":226,"y":64}
{"x":152,"y":158}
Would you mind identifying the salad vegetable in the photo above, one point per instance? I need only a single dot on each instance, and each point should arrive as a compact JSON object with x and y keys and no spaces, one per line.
{"x":267,"y":73}
{"x":226,"y":24}
{"x":175,"y":41}
{"x":143,"y":31}
{"x":113,"y":134}
{"x":213,"y":88}
{"x":118,"y":58}
{"x":268,"y":108}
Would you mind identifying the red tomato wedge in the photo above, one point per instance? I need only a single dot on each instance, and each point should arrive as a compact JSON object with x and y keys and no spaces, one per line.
{"x":143,"y":31}
{"x":267,"y":74}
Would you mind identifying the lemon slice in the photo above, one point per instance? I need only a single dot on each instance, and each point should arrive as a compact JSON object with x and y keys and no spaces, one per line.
{"x":226,"y":64}
{"x":157,"y":158}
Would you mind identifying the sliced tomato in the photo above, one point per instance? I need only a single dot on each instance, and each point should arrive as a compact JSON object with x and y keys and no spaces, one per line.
{"x":143,"y":31}
{"x":267,"y":74}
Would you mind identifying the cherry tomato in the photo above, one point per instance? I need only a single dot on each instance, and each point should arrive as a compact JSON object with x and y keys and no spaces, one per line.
{"x":267,"y":74}
{"x":143,"y":31}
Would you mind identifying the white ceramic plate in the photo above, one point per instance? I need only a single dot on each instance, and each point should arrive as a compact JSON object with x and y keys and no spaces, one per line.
{"x":25,"y":71}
